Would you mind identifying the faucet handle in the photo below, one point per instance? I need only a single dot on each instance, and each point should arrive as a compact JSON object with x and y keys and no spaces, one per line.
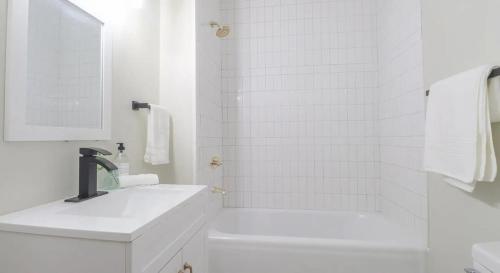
{"x":93,"y":151}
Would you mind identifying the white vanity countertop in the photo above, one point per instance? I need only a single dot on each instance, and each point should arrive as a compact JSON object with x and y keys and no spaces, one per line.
{"x":121,"y":215}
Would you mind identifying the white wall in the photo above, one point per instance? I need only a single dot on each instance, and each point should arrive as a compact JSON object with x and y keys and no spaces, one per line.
{"x":299,"y":87}
{"x":32,"y":173}
{"x":208,"y":99}
{"x":401,"y":113}
{"x":178,"y":84}
{"x":190,"y":87}
{"x":458,"y":35}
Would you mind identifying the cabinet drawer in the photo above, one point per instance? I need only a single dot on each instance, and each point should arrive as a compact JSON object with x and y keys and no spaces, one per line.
{"x":174,"y":265}
{"x":194,"y":253}
{"x":152,"y":251}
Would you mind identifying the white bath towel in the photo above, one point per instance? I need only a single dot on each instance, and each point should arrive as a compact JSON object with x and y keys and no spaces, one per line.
{"x":158,"y":138}
{"x":458,"y":141}
{"x":138,"y":180}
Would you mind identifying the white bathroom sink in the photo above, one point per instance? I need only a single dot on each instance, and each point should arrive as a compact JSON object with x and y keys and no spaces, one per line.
{"x":121,"y":215}
{"x":128,"y":203}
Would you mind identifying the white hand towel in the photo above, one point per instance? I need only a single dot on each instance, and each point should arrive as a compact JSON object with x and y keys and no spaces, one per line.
{"x":138,"y":180}
{"x":458,"y":141}
{"x":158,"y":139}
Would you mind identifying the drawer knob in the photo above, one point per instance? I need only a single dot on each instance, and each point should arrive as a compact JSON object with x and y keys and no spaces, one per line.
{"x":189,"y":267}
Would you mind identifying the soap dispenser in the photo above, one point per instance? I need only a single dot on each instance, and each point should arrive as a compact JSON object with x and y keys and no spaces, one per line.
{"x":121,"y":160}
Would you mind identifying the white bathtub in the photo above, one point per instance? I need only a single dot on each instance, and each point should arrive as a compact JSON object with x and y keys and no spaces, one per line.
{"x":282,"y":241}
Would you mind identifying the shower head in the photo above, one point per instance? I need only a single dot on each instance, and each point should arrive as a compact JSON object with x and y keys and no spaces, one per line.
{"x":222,"y":31}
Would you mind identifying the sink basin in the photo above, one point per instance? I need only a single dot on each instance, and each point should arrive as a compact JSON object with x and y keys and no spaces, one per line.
{"x":121,"y":215}
{"x":128,"y":203}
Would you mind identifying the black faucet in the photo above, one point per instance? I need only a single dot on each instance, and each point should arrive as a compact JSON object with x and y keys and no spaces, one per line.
{"x":89,"y":160}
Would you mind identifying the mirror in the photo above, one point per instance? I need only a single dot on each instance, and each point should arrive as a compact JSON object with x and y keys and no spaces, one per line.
{"x":58,"y":75}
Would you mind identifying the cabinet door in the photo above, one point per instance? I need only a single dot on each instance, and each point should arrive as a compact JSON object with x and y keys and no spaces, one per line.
{"x":194,"y":253}
{"x":174,"y":265}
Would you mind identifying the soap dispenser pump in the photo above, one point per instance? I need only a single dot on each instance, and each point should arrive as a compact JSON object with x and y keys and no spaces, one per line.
{"x":121,"y":160}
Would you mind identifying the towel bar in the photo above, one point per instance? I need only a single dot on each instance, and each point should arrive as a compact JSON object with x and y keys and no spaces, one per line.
{"x":138,"y":105}
{"x":494,"y":73}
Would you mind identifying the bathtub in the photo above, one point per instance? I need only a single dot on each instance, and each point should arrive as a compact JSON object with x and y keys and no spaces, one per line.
{"x":284,"y":241}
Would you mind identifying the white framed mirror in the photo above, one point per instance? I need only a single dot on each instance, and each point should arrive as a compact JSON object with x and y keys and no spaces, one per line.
{"x":58,"y":72}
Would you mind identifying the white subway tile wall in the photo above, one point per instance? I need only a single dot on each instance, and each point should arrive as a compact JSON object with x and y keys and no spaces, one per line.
{"x":299,"y":87}
{"x":401,"y":112}
{"x":323,"y":106}
{"x":209,"y":101}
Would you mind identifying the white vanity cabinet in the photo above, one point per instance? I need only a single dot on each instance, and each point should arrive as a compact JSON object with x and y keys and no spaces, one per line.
{"x":192,"y":258}
{"x":143,"y":230}
{"x":175,"y":265}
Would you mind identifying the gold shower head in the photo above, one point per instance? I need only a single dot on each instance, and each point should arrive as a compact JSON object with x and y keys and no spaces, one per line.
{"x":222,"y":31}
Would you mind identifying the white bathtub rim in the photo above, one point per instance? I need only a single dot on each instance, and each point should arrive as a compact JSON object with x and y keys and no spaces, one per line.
{"x":217,"y":237}
{"x":347,"y":212}
{"x":361,"y":214}
{"x":408,"y":244}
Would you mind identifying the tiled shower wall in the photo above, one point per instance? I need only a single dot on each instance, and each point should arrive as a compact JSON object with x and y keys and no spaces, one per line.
{"x":299,"y":86}
{"x":401,"y":113}
{"x":208,"y":99}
